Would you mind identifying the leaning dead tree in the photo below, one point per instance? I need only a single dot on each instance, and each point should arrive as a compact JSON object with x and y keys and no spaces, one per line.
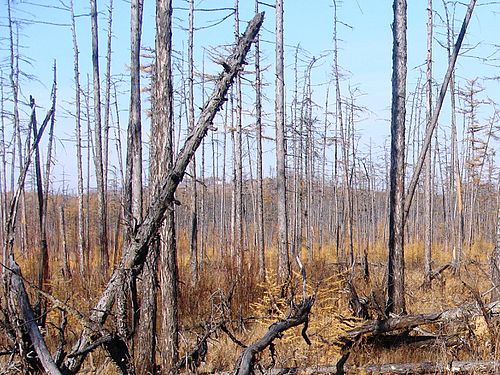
{"x":163,"y":200}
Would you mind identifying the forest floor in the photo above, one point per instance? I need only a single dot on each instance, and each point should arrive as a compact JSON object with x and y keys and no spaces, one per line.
{"x":235,"y":310}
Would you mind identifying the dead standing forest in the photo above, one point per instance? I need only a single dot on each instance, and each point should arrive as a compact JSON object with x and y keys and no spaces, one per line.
{"x":178,"y":252}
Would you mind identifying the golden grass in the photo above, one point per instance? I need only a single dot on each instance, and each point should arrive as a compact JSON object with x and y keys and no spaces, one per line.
{"x":264,"y":304}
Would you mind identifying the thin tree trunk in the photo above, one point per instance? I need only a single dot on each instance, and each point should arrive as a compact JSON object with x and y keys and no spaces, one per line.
{"x":78,"y":131}
{"x":238,"y":161}
{"x":107,"y":99}
{"x":435,"y":115}
{"x":193,"y":245}
{"x":283,"y":255}
{"x":428,"y":176}
{"x":98,"y":149}
{"x":43,"y":257}
{"x":258,"y":122}
{"x":64,"y":253}
{"x":396,"y":265}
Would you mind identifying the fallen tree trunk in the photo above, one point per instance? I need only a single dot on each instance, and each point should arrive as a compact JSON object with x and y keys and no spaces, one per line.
{"x":420,"y":368}
{"x":25,"y":321}
{"x":297,"y":316}
{"x":163,"y":199}
{"x":375,"y":327}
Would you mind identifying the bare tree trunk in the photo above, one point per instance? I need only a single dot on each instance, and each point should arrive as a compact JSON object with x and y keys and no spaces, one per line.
{"x":65,"y":260}
{"x":495,"y":256}
{"x":3,"y":160}
{"x":283,"y":256}
{"x":193,"y":245}
{"x":428,"y":176}
{"x":439,"y":103}
{"x":396,"y":266}
{"x":79,"y":167}
{"x":458,"y":216}
{"x":321,"y":209}
{"x":162,"y":157}
{"x":107,"y":99}
{"x":345,"y":146}
{"x":145,"y":315}
{"x":43,"y":257}
{"x":163,"y":197}
{"x":98,"y":153}
{"x":258,"y":122}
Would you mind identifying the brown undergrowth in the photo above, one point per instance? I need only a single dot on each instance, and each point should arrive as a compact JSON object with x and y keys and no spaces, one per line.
{"x":238,"y":308}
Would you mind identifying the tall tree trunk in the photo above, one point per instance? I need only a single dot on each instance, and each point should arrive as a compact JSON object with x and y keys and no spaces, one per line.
{"x":98,"y":153}
{"x":193,"y":245}
{"x":107,"y":99}
{"x":396,"y":266}
{"x":258,"y":123}
{"x":3,"y":160}
{"x":495,"y":256}
{"x":78,"y":131}
{"x":145,"y":315}
{"x":458,"y":215}
{"x":162,"y":157}
{"x":238,"y":161}
{"x":428,"y":176}
{"x":163,"y":198}
{"x":43,"y":257}
{"x":345,"y":146}
{"x":283,"y":256}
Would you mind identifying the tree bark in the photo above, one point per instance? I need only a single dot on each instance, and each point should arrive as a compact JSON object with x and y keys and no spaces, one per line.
{"x":19,"y":303}
{"x":98,"y":153}
{"x":79,"y":167}
{"x":193,"y":245}
{"x":258,"y":131}
{"x":161,"y":163}
{"x":163,"y":198}
{"x":395,"y":274}
{"x":283,"y":254}
{"x":428,"y":175}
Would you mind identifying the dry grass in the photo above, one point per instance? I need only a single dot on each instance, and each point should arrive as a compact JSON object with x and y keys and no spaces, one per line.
{"x":251,"y":306}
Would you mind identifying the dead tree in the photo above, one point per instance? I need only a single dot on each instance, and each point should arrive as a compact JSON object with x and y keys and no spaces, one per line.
{"x":78,"y":131}
{"x":437,"y":110}
{"x":283,"y":254}
{"x":193,"y":244}
{"x":163,"y":199}
{"x":98,"y":154}
{"x":29,"y":336}
{"x":428,"y":167}
{"x":258,"y":131}
{"x":395,"y":273}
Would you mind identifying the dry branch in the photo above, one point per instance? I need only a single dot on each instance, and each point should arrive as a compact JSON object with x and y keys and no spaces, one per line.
{"x":298,"y":315}
{"x":163,"y":199}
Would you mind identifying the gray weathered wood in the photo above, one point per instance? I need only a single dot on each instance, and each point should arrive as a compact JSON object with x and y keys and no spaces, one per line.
{"x":297,"y":316}
{"x":26,"y":318}
{"x":163,"y":199}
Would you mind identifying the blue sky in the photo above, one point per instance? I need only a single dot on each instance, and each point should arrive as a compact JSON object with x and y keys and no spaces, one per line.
{"x":365,"y":53}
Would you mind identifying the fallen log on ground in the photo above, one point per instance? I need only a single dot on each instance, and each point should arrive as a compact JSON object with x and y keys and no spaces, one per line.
{"x":406,"y":322}
{"x":421,"y":368}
